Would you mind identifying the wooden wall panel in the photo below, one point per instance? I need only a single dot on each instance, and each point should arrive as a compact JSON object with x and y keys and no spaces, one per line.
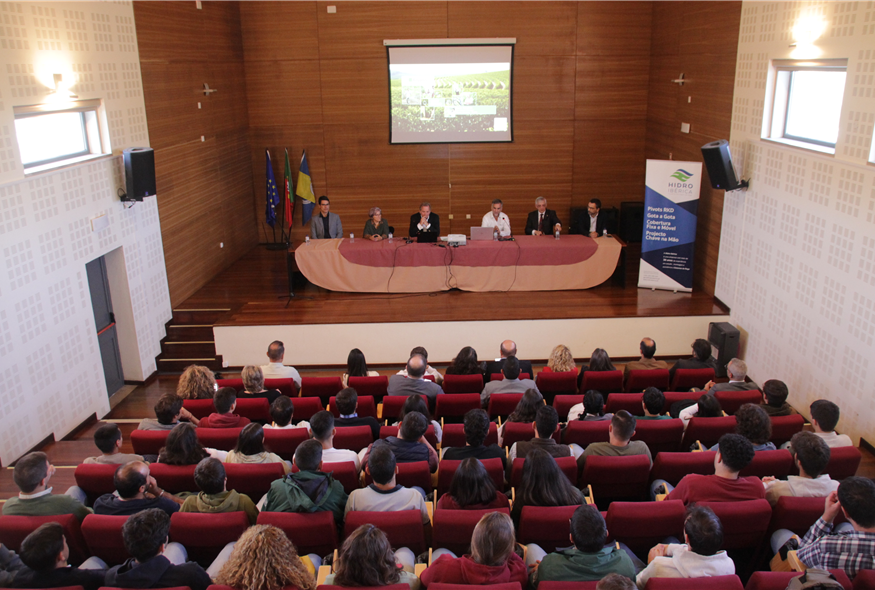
{"x":180,"y":32}
{"x":612,"y":174}
{"x":284,"y":92}
{"x":543,"y":88}
{"x":356,"y":90}
{"x":264,"y":24}
{"x":612,"y":87}
{"x":627,"y":25}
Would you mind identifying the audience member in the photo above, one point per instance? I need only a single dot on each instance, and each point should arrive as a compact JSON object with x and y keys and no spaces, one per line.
{"x":214,"y":496}
{"x":653,"y":404}
{"x":476,"y":430}
{"x":250,"y":449}
{"x":282,"y":412}
{"x":811,"y":458}
{"x":417,"y":403}
{"x":108,"y":438}
{"x":620,"y":443}
{"x":225,"y":402}
{"x":308,"y":490}
{"x":429,"y":370}
{"x":775,"y":395}
{"x":753,"y":423}
{"x":736,"y":370}
{"x":545,"y":425}
{"x":492,"y":559}
{"x":264,"y":559}
{"x":31,"y":475}
{"x":506,"y":349}
{"x":510,"y":384}
{"x":561,"y":361}
{"x":615,"y":582}
{"x":366,"y":559}
{"x":592,"y":409}
{"x":183,"y":448}
{"x":824,"y":418}
{"x":322,"y":427}
{"x":588,"y":559}
{"x":347,"y":401}
{"x":196,"y":382}
{"x":543,"y":484}
{"x":253,"y":385}
{"x":472,"y":489}
{"x":410,"y":445}
{"x":45,"y":553}
{"x":10,"y":566}
{"x":646,"y":362}
{"x":275,"y":369}
{"x":155,"y":562}
{"x":136,"y":490}
{"x":598,"y":362}
{"x":698,"y":557}
{"x":413,"y":383}
{"x":701,"y":358}
{"x":168,"y":411}
{"x":524,"y":412}
{"x":465,"y":363}
{"x":707,"y":406}
{"x":356,"y":366}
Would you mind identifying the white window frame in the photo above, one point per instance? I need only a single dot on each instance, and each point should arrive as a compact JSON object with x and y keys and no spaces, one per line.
{"x":94,"y":126}
{"x":775,"y":116}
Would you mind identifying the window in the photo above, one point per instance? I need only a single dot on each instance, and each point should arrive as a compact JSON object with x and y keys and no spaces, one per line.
{"x":53,"y":135}
{"x":806,"y":103}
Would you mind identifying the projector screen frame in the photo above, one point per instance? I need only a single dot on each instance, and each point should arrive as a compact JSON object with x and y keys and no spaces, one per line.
{"x":460,"y":42}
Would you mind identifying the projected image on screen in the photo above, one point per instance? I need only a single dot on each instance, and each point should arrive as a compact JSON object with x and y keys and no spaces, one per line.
{"x":450,"y":94}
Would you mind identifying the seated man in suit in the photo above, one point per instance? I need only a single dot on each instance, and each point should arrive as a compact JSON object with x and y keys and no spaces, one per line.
{"x":326,"y":224}
{"x":737,"y":371}
{"x":507,"y":348}
{"x":542,"y":221}
{"x":592,"y":223}
{"x":510,"y":384}
{"x":648,"y":349}
{"x":424,"y":222}
{"x":701,"y":358}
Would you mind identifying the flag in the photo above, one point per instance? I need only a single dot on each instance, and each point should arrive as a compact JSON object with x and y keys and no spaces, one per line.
{"x":273,"y":198}
{"x":289,"y":202}
{"x":305,"y":190}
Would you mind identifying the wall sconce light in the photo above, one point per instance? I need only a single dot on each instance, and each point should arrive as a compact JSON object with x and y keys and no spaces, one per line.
{"x":60,"y":88}
{"x":806,"y":31}
{"x":679,"y":80}
{"x":208,"y":91}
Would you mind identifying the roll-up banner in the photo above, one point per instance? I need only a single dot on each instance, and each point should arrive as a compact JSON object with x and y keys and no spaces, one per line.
{"x":671,"y":201}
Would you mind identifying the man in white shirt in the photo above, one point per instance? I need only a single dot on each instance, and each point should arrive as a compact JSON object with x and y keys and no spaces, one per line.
{"x":275,"y":368}
{"x":496,"y":219}
{"x":322,"y":427}
{"x":812,"y":456}
{"x":824,"y":417}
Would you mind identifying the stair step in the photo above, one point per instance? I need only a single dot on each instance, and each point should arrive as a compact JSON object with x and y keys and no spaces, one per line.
{"x":188,"y":349}
{"x":170,"y":365}
{"x":198,"y":316}
{"x":189,"y":333}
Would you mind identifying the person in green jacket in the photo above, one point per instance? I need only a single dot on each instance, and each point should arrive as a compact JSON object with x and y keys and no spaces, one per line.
{"x":209,"y":475}
{"x":32,"y":475}
{"x":308,"y":490}
{"x":588,"y":560}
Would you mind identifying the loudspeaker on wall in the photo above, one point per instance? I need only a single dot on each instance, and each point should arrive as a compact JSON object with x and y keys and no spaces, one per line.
{"x":718,"y":161}
{"x":139,"y":173}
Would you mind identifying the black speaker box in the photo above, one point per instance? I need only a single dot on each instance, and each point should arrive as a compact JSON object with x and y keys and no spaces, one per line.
{"x":718,"y":161}
{"x":139,"y":173}
{"x":723,"y":337}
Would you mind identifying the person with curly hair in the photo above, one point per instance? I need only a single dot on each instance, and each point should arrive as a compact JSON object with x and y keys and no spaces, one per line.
{"x":366,"y":559}
{"x":561,"y":360}
{"x":465,"y":363}
{"x":754,"y":424}
{"x":264,"y":559}
{"x":196,"y":382}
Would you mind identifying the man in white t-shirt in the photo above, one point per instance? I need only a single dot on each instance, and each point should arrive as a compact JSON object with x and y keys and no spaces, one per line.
{"x":275,"y":368}
{"x":811,"y":457}
{"x":496,"y":219}
{"x":824,"y":417}
{"x":322,"y":427}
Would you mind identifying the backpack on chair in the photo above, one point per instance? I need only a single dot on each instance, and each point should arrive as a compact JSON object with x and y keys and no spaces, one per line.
{"x":814,"y":579}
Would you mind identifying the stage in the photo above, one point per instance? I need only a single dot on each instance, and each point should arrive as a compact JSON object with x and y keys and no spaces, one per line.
{"x":319,"y":327}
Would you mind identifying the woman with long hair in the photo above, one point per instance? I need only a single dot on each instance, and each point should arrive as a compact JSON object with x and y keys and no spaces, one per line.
{"x":465,"y":363}
{"x":472,"y":489}
{"x":196,"y":382}
{"x":543,"y":484}
{"x":253,"y":385}
{"x":356,"y":366}
{"x":264,"y":559}
{"x":707,"y":406}
{"x":592,"y":409}
{"x":366,"y":559}
{"x":561,"y":360}
{"x":599,"y":361}
{"x":416,"y":403}
{"x":183,"y":448}
{"x":250,"y":448}
{"x":524,"y":412}
{"x":492,"y":559}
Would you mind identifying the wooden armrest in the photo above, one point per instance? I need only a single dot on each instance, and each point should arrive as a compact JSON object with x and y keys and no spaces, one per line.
{"x":795,"y":563}
{"x":430,"y":560}
{"x":434,"y":479}
{"x":499,"y":422}
{"x":524,"y":549}
{"x":512,"y":496}
{"x":380,"y":411}
{"x":420,"y":567}
{"x":430,"y":507}
{"x":661,"y":497}
{"x":588,"y":497}
{"x":699,"y":447}
{"x":323,"y":572}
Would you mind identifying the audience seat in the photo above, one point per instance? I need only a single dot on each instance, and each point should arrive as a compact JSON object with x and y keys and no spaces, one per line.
{"x":843,"y":462}
{"x":797,"y":514}
{"x":400,"y":586}
{"x":311,"y":532}
{"x":454,"y":435}
{"x":672,"y":467}
{"x":455,"y":405}
{"x":548,"y":526}
{"x":584,"y":433}
{"x":503,"y":404}
{"x":224,"y":439}
{"x":563,"y":403}
{"x":765,"y":463}
{"x":342,"y":471}
{"x":567,"y":585}
{"x":13,"y":530}
{"x":234,"y":383}
{"x":676,"y":396}
{"x":103,"y":536}
{"x":685,"y":379}
{"x":707,"y":430}
{"x":712,"y":583}
{"x":321,"y":387}
{"x":500,"y":376}
{"x":504,"y":586}
{"x":522,"y":431}
{"x":603,"y":381}
{"x":287,"y":386}
{"x":552,"y":384}
{"x":375,"y":387}
{"x":252,"y":479}
{"x":744,"y":523}
{"x":354,"y":438}
{"x":641,"y":379}
{"x":367,"y":407}
{"x":95,"y":479}
{"x":568,"y":465}
{"x":430,"y":436}
{"x":305,"y":407}
{"x":284,"y":441}
{"x":199,"y":408}
{"x":865,"y":580}
{"x":403,"y":528}
{"x":392,"y":405}
{"x":447,"y":468}
{"x":452,"y":529}
{"x":204,"y":535}
{"x":463,"y":383}
{"x":660,"y":435}
{"x":148,"y":442}
{"x":784,"y":427}
{"x":730,"y":401}
{"x":174,"y":478}
{"x":616,"y":478}
{"x":641,"y":525}
{"x":257,"y":410}
{"x":412,"y":474}
{"x":779,"y":580}
{"x":631,"y":402}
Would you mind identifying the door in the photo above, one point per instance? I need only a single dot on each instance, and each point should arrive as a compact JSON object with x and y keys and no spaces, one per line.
{"x":107,"y":339}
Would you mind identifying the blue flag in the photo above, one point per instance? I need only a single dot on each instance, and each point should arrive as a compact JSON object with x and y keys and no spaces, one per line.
{"x":273,"y":197}
{"x":305,"y":190}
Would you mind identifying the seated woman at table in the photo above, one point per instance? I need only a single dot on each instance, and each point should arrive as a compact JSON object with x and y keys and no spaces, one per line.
{"x":376,"y":227}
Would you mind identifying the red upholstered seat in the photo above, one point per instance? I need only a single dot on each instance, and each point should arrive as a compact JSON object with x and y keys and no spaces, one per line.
{"x":641,"y":525}
{"x":688,"y":378}
{"x":779,"y":580}
{"x":712,"y":583}
{"x":563,"y":403}
{"x":257,"y":410}
{"x":430,"y":436}
{"x":463,"y":383}
{"x":455,"y":405}
{"x":567,"y":585}
{"x":412,"y":474}
{"x":204,"y":535}
{"x":797,"y":514}
{"x":505,"y":586}
{"x":375,"y":387}
{"x":447,"y":468}
{"x":843,"y":462}
{"x":765,"y":463}
{"x":613,"y":478}
{"x":342,"y":471}
{"x":454,"y":435}
{"x":452,"y":529}
{"x":552,"y":384}
{"x":403,"y":528}
{"x":305,"y":407}
{"x":391,"y":587}
{"x":503,"y":404}
{"x":224,"y":439}
{"x":784,"y":427}
{"x":676,"y":396}
{"x":199,"y":408}
{"x":13,"y":530}
{"x":252,"y":479}
{"x":660,"y":435}
{"x":284,"y":441}
{"x":568,"y":465}
{"x":604,"y":381}
{"x":864,"y":580}
{"x":287,"y":387}
{"x":672,"y":467}
{"x":354,"y":438}
{"x":631,"y":402}
{"x":321,"y":387}
{"x":311,"y":532}
{"x":95,"y":479}
{"x":367,"y":406}
{"x":522,"y":431}
{"x":730,"y":401}
{"x":234,"y":383}
{"x":641,"y":379}
{"x":584,"y":433}
{"x":148,"y":442}
{"x":744,"y":523}
{"x":707,"y":430}
{"x":392,"y":405}
{"x":548,"y":526}
{"x":174,"y":478}
{"x":103,"y":536}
